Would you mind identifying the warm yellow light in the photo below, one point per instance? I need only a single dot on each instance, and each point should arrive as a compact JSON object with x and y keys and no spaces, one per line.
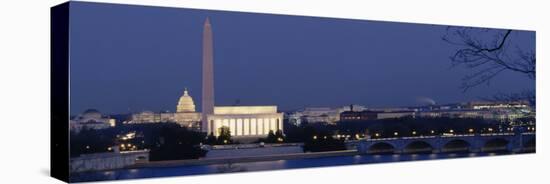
{"x":314,"y":137}
{"x":225,"y":141}
{"x":470,"y":130}
{"x":377,"y":134}
{"x":395,"y":133}
{"x":414,"y":132}
{"x":451,"y":131}
{"x":109,"y":148}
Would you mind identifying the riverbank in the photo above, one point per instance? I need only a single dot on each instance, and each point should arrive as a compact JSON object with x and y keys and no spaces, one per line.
{"x":177,"y":163}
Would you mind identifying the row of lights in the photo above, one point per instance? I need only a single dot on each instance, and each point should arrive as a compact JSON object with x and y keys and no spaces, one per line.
{"x":470,"y":130}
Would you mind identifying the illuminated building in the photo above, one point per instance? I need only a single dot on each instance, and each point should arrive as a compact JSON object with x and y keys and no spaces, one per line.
{"x":185,"y":114}
{"x":321,"y":114}
{"x":245,"y":121}
{"x":90,"y":119}
{"x":242,"y":121}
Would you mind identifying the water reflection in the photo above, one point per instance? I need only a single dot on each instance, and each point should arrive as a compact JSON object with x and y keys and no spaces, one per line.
{"x":265,"y":165}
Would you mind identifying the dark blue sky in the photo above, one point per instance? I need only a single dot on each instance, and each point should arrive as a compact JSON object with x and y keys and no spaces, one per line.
{"x":134,"y":58}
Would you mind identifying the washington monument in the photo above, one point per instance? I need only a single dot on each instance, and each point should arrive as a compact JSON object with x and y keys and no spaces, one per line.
{"x":207,"y":74}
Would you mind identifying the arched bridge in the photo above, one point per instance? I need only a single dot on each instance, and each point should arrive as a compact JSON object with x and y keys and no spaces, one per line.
{"x":513,"y":142}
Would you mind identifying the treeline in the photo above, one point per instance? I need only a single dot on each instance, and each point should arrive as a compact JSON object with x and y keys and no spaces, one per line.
{"x":384,"y":128}
{"x":417,"y":126}
{"x":166,"y":141}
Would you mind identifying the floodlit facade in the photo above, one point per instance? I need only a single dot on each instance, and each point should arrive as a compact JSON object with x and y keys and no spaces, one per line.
{"x":185,"y":114}
{"x":245,"y":121}
{"x":90,"y":119}
{"x":321,"y":114}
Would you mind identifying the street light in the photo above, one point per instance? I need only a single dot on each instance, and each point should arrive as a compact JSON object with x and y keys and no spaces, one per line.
{"x":395,"y":133}
{"x":432,"y":132}
{"x":414,"y":132}
{"x":470,"y":130}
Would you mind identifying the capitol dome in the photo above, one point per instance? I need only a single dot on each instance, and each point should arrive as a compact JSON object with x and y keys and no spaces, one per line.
{"x":185,"y":103}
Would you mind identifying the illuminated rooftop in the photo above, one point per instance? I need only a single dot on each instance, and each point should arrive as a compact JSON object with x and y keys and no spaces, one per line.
{"x":245,"y":110}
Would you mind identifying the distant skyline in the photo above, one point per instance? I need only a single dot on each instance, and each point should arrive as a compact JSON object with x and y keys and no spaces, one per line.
{"x":135,"y":58}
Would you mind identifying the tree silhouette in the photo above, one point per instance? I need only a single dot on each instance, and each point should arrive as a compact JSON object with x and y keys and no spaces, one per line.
{"x":488,"y":52}
{"x":211,"y":139}
{"x":225,"y":135}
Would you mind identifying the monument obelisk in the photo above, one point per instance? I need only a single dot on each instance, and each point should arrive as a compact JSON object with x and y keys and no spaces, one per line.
{"x":207,"y":75}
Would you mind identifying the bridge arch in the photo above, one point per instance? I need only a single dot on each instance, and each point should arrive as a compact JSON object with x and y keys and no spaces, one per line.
{"x":496,"y":144}
{"x":381,"y":148}
{"x":456,"y":145}
{"x":418,"y":147}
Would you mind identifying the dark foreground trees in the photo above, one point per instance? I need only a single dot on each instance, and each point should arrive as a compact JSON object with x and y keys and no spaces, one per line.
{"x":176,"y":143}
{"x":166,"y":141}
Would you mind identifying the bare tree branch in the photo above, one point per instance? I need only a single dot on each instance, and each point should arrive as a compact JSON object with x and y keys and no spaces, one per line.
{"x":487,"y":53}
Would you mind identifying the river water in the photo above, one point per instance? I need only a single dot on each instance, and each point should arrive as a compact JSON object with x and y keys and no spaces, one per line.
{"x":264,"y":165}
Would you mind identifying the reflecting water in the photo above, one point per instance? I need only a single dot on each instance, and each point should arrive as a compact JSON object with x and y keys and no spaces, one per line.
{"x":265,"y":165}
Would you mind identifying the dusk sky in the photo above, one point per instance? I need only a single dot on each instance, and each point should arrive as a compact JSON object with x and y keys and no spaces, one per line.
{"x":135,"y":58}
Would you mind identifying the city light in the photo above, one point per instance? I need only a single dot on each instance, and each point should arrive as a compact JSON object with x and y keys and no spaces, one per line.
{"x":414,"y":132}
{"x":490,"y":129}
{"x":314,"y":137}
{"x":432,"y":132}
{"x":395,"y":133}
{"x":470,"y":130}
{"x":377,"y":134}
{"x":451,"y":131}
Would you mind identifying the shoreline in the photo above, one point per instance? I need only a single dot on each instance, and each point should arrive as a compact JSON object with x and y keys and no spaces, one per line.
{"x":230,"y":160}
